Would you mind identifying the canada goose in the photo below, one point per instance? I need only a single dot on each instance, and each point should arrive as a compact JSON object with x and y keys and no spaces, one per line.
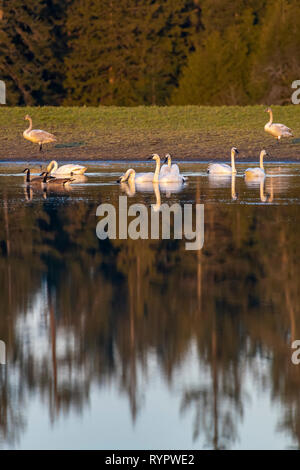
{"x":36,"y":135}
{"x":276,"y":130}
{"x":36,"y":179}
{"x":65,"y":170}
{"x":223,"y":168}
{"x":48,"y":179}
{"x":257,"y":172}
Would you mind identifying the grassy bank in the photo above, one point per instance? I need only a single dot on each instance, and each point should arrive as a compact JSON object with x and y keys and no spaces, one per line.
{"x":189,"y":132}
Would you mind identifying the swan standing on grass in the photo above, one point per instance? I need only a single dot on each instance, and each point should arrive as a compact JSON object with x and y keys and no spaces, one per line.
{"x":65,"y":170}
{"x":36,"y":135}
{"x":223,"y":168}
{"x":277,"y":130}
{"x":257,"y":172}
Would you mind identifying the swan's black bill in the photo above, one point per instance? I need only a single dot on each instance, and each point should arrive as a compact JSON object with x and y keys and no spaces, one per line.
{"x":26,"y":169}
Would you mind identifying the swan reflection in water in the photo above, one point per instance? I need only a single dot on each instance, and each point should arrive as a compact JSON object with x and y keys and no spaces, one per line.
{"x":217,"y":181}
{"x":130,"y":187}
{"x":260,"y":182}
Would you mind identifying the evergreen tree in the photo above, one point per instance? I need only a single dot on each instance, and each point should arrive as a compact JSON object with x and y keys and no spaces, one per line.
{"x":126,"y":53}
{"x":276,"y":63}
{"x":31,"y":51}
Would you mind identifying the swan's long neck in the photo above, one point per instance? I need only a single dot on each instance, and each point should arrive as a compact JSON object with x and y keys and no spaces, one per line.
{"x":156,"y":174}
{"x":261,"y":161}
{"x":30,"y":125}
{"x":271,"y":118}
{"x":131,"y":177}
{"x":232,"y":161}
{"x":169,"y":161}
{"x":52,"y":166}
{"x":28,"y":176}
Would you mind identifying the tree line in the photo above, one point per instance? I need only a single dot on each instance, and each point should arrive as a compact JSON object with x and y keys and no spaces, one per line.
{"x":149,"y":52}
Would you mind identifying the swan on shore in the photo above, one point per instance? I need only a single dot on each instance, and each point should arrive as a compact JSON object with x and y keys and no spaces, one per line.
{"x":276,"y":130}
{"x":257,"y":172}
{"x":223,"y":168}
{"x":65,"y":170}
{"x":37,"y":136}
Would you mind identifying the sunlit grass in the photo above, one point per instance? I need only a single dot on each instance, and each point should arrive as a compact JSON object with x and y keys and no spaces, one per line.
{"x":192,"y":131}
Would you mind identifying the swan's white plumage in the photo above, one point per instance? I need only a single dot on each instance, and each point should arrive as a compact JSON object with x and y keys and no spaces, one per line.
{"x":257,"y":172}
{"x":275,"y":129}
{"x":131,"y":175}
{"x":170,"y":173}
{"x":223,"y":168}
{"x":65,"y":170}
{"x":37,"y":136}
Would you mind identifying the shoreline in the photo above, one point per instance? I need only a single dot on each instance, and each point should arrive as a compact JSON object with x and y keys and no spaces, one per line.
{"x":188,"y":133}
{"x":144,"y":160}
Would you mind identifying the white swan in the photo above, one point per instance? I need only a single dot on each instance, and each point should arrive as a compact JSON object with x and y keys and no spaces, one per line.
{"x":223,"y":168}
{"x":167,"y":167}
{"x":65,"y":170}
{"x":170,"y":173}
{"x":277,"y":130}
{"x":257,"y":172}
{"x":37,"y":136}
{"x":132,"y":176}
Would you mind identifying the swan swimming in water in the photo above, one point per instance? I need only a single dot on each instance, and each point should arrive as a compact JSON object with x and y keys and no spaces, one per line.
{"x":277,"y":130}
{"x":170,"y":173}
{"x":148,"y":177}
{"x":37,"y":136}
{"x":132,"y":176}
{"x":167,"y":166}
{"x":223,"y":168}
{"x":65,"y":170}
{"x":257,"y":172}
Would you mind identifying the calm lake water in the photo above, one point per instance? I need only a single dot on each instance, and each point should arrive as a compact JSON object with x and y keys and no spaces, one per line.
{"x":128,"y":344}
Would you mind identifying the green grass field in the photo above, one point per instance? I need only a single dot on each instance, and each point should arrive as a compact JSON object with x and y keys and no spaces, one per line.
{"x":187,"y":132}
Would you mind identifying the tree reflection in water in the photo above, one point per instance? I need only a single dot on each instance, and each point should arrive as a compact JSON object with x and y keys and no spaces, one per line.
{"x":77,"y":311}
